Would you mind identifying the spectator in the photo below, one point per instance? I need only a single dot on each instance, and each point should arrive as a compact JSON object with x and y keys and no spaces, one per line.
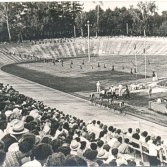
{"x":74,"y":146}
{"x":18,"y":158}
{"x":91,"y":155}
{"x":2,"y":158}
{"x":115,"y":156}
{"x":123,"y":148}
{"x":129,"y":132}
{"x":98,"y":85}
{"x":56,"y":159}
{"x":82,"y":148}
{"x":143,"y":136}
{"x":153,"y":152}
{"x":40,"y":153}
{"x":74,"y":160}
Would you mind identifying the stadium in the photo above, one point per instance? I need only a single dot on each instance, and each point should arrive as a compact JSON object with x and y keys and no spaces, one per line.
{"x":82,"y":97}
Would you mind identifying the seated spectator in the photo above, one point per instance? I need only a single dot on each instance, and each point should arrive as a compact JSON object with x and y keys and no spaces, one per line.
{"x":18,"y":158}
{"x":113,"y":140}
{"x":82,"y":148}
{"x":74,"y":146}
{"x":56,"y":159}
{"x":2,"y":145}
{"x":74,"y":160}
{"x":2,"y":158}
{"x":100,"y":144}
{"x":117,"y":143}
{"x":93,"y":146}
{"x":117,"y":157}
{"x":91,"y":155}
{"x":102,"y":154}
{"x":56,"y":143}
{"x":40,"y":153}
{"x":65,"y":150}
{"x":137,"y":137}
{"x":129,"y":132}
{"x":143,"y":136}
{"x":113,"y":163}
{"x":131,"y":163}
{"x":3,"y":124}
{"x":123,"y":148}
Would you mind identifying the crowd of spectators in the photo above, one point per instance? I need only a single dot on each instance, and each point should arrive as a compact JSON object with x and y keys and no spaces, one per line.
{"x":33,"y":134}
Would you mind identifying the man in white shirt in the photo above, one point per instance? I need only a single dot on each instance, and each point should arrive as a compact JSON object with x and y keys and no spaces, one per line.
{"x":153,"y":153}
{"x":120,"y":89}
{"x":98,"y":85}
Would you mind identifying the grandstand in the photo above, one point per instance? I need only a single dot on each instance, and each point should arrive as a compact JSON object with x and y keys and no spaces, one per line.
{"x":102,"y":46}
{"x":74,"y":106}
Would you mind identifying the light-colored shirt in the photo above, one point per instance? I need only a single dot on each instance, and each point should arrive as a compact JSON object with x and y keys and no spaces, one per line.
{"x":98,"y":84}
{"x":112,"y":141}
{"x":153,"y":149}
{"x":33,"y":163}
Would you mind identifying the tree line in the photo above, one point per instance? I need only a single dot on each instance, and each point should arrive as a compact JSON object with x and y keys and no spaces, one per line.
{"x":37,"y":20}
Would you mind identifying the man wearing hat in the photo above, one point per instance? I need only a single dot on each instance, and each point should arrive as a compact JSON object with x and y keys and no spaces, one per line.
{"x":14,"y":133}
{"x":74,"y":146}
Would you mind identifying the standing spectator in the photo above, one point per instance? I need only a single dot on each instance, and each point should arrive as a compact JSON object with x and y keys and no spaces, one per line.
{"x":114,"y":92}
{"x":83,"y":62}
{"x":150,"y":91}
{"x":98,"y":64}
{"x":153,"y":152}
{"x":98,"y":85}
{"x":120,"y":89}
{"x":153,"y":75}
{"x":62,"y":63}
{"x":127,"y":92}
{"x":113,"y":68}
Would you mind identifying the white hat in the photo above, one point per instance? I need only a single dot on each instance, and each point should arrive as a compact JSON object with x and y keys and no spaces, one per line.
{"x":32,"y":112}
{"x":75,"y":145}
{"x":102,"y":154}
{"x":18,"y":128}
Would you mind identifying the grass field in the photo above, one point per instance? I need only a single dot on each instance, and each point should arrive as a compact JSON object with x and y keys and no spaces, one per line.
{"x":83,"y":81}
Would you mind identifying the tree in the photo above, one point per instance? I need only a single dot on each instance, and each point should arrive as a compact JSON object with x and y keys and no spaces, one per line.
{"x":81,"y":21}
{"x":10,"y":14}
{"x":5,"y":16}
{"x":76,"y":9}
{"x":147,"y":9}
{"x":99,"y":3}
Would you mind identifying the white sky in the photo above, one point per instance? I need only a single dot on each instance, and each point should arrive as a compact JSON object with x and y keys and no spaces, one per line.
{"x":162,"y":4}
{"x":88,"y":4}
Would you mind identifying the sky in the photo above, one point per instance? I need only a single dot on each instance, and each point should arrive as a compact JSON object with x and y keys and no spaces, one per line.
{"x":162,"y":4}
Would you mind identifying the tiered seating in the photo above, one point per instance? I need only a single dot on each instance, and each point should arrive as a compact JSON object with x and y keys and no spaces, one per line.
{"x":54,"y":128}
{"x":60,"y":48}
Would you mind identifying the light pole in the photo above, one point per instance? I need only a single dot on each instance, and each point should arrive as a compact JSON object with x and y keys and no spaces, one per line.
{"x":136,"y":62}
{"x":127,"y":29}
{"x":88,"y":25}
{"x":145,"y":58}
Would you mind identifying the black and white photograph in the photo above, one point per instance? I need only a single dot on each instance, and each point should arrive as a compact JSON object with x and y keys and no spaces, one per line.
{"x":83,"y":83}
